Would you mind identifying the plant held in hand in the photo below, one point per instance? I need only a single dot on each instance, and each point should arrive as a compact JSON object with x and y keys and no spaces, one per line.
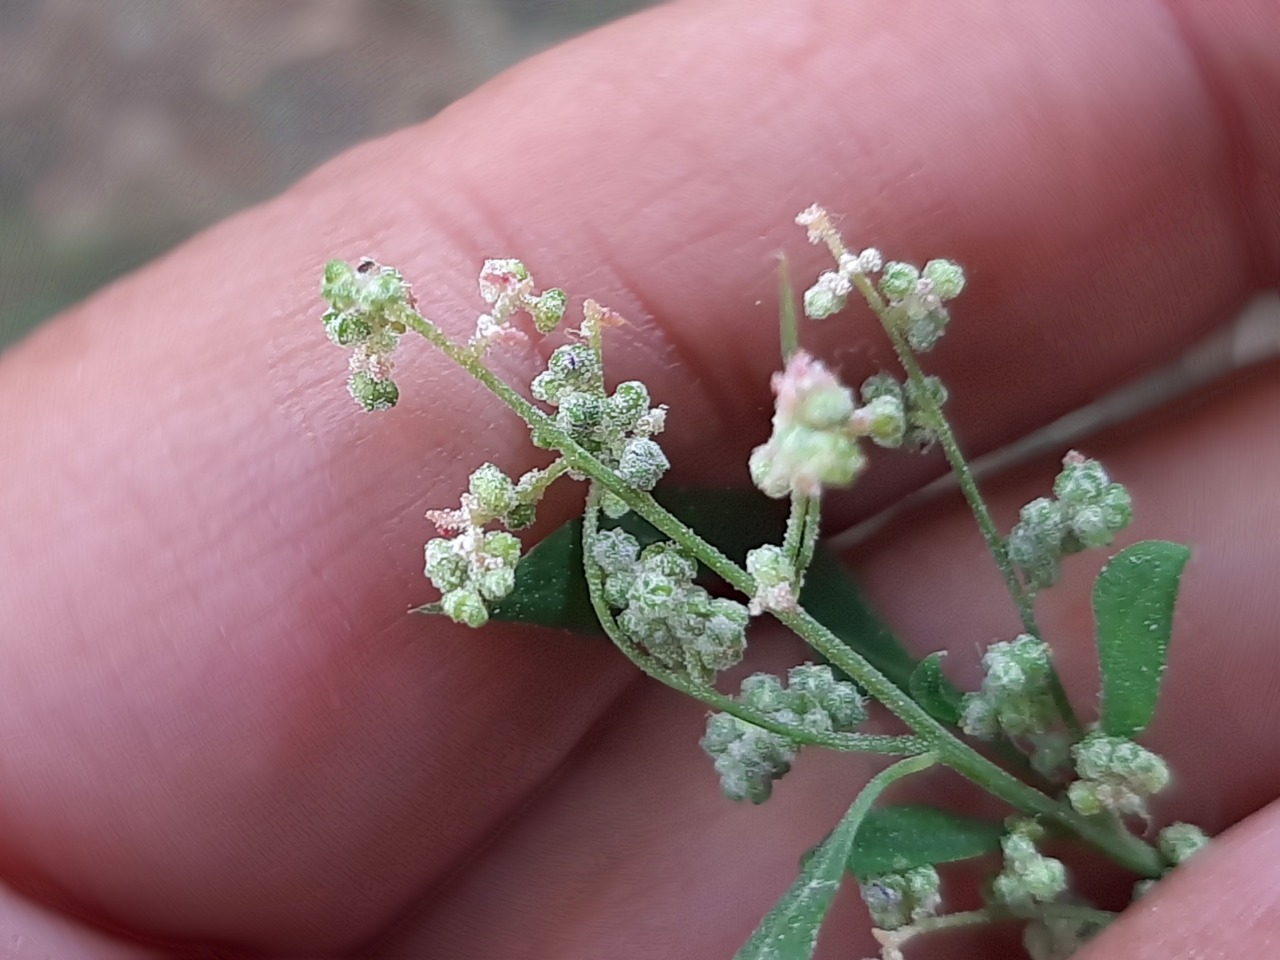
{"x":636,"y":567}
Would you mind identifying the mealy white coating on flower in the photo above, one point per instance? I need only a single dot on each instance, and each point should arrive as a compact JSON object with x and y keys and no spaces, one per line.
{"x":1016,"y":696}
{"x":661,"y":609}
{"x":1117,"y":775}
{"x":655,"y":421}
{"x":895,"y":900}
{"x":1028,"y":876}
{"x":870,"y":260}
{"x":1178,"y":842}
{"x":811,"y":445}
{"x":853,"y":265}
{"x":774,"y":576}
{"x":827,"y":296}
{"x":817,"y":221}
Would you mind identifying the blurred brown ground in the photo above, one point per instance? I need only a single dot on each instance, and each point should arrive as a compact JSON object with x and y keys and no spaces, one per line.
{"x":128,"y":125}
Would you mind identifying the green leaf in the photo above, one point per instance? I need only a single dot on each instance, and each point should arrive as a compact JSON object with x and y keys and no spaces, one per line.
{"x":931,"y":689}
{"x":894,"y":839}
{"x":790,"y":930}
{"x":1133,"y":602}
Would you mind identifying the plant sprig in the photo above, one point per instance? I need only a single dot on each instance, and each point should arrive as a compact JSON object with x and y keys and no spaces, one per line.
{"x":648,"y":601}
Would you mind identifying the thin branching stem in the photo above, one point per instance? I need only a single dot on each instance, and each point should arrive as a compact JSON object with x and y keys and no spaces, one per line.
{"x":996,"y":544}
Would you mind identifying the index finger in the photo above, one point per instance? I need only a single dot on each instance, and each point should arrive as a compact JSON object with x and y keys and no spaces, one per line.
{"x":211,"y":554}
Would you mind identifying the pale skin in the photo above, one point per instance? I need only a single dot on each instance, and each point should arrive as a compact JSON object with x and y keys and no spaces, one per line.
{"x":218,"y":726}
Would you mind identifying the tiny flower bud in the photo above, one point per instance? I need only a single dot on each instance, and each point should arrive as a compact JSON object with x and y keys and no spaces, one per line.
{"x":1179,"y":841}
{"x":616,"y":551}
{"x":496,"y":583}
{"x":1117,"y":775}
{"x":884,"y":420}
{"x":548,"y":310}
{"x":1082,"y":481}
{"x":575,"y":366}
{"x":465,"y":606}
{"x":838,"y":699}
{"x":1015,"y":692}
{"x":520,"y":516}
{"x":826,"y":297}
{"x":502,"y":547}
{"x":1028,"y":876}
{"x":924,"y":331}
{"x":817,"y":221}
{"x":897,"y":899}
{"x":445,"y":567}
{"x":613,"y":506}
{"x":347,"y":329}
{"x":898,"y":280}
{"x":642,"y":463}
{"x":580,"y":414}
{"x":499,"y":277}
{"x":764,"y":692}
{"x":747,"y":757}
{"x":947,"y":278}
{"x":340,"y":287}
{"x":493,"y":492}
{"x":630,"y":402}
{"x":881,"y":385}
{"x":372,"y":394}
{"x":775,"y":575}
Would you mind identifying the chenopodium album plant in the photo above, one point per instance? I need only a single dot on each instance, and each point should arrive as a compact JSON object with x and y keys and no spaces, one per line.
{"x":637,"y":568}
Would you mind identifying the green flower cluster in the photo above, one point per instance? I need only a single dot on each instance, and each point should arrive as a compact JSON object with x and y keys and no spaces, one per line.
{"x":476,"y":567}
{"x":661,"y":609}
{"x":812,"y":444}
{"x":617,"y":428}
{"x":505,"y":284}
{"x":1016,"y":699}
{"x":895,"y":900}
{"x":1116,"y":776}
{"x":472,"y":570}
{"x":916,"y":298}
{"x":1089,"y":510}
{"x":898,"y":413}
{"x":368,"y":307}
{"x":749,"y":758}
{"x":1028,"y":876}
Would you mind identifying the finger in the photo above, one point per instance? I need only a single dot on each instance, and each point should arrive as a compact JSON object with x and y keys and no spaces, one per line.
{"x":1221,"y":904}
{"x":211,"y":555}
{"x":31,"y":932}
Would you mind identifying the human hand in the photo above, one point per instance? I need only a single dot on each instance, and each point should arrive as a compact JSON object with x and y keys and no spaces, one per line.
{"x":219,"y":726}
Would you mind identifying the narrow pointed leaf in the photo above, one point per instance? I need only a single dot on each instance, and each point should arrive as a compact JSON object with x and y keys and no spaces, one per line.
{"x":898,"y":838}
{"x":1133,"y":601}
{"x":931,"y":689}
{"x":790,"y":930}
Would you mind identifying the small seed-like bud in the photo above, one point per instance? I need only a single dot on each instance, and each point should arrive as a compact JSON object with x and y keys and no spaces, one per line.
{"x":898,"y":279}
{"x":465,"y":606}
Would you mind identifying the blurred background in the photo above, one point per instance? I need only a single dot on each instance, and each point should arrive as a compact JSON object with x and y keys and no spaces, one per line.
{"x":128,"y":125}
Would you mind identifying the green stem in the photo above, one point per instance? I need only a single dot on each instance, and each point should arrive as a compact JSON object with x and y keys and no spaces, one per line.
{"x":972,"y":494}
{"x":801,"y":539}
{"x":1126,"y":849}
{"x":788,"y":318}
